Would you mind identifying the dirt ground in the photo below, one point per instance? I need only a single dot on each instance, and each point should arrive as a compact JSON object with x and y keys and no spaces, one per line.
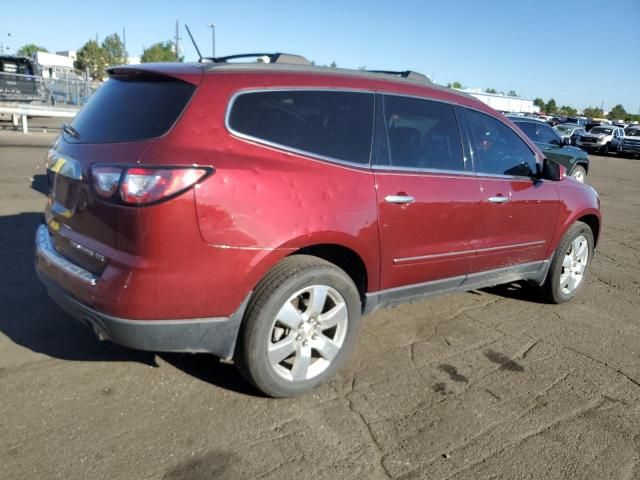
{"x":487,"y":384}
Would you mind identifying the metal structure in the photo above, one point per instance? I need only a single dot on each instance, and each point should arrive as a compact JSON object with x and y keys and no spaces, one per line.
{"x":21,"y":112}
{"x":66,"y":90}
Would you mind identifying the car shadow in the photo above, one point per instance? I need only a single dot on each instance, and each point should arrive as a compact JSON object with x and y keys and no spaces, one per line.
{"x":39,"y":184}
{"x":29,"y":318}
{"x":523,"y":291}
{"x":209,"y":369}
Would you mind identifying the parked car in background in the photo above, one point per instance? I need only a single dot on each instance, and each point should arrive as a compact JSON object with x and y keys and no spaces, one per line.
{"x":256,"y":210}
{"x":553,"y":121}
{"x":631,"y":141}
{"x":576,"y":161}
{"x":602,"y":138}
{"x":582,"y":121}
{"x":569,"y":131}
{"x":595,"y":123}
{"x":20,"y":80}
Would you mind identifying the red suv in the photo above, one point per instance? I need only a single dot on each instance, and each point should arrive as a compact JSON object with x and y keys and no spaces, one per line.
{"x":255,"y":210}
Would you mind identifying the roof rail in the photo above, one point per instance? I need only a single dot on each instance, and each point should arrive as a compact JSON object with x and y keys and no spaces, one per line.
{"x":408,"y":74}
{"x":265,"y":58}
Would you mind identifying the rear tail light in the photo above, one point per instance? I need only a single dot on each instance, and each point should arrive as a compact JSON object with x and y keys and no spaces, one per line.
{"x":144,"y":185}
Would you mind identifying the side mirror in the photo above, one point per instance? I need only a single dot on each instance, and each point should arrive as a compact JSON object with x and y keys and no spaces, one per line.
{"x":553,"y":171}
{"x":556,"y":142}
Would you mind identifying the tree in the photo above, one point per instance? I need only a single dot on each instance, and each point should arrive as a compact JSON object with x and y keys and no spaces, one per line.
{"x":567,"y":110}
{"x":160,"y":52}
{"x":550,"y":107}
{"x":457,"y":85}
{"x":490,"y":90}
{"x":333,"y":65}
{"x":592,"y":112}
{"x":618,"y":112}
{"x":538,"y":102}
{"x":91,"y":57}
{"x":114,"y":50}
{"x":512,"y":93}
{"x":30,"y":49}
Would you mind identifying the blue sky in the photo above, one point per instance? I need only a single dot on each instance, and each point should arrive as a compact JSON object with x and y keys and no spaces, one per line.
{"x":572,"y":50}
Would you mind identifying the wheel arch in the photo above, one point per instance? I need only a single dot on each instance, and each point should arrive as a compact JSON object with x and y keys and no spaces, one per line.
{"x":582,"y":163}
{"x":343,"y":257}
{"x":594,"y":224}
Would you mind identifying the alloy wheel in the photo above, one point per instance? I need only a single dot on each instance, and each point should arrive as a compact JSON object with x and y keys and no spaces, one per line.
{"x":307,"y":333}
{"x":574,"y":265}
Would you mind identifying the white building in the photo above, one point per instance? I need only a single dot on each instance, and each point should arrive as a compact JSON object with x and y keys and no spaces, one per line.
{"x":504,"y":103}
{"x":56,"y":66}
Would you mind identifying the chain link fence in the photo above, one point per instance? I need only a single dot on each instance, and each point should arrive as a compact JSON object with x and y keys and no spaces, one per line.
{"x":68,"y":90}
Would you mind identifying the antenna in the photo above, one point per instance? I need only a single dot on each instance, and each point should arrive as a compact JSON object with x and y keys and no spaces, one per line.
{"x":193,"y":41}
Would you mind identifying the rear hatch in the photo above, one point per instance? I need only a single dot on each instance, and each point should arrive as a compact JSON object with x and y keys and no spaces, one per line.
{"x":134,"y":108}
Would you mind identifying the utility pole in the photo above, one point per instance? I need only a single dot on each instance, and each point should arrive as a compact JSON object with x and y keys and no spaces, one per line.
{"x":2,"y":44}
{"x":178,"y":40}
{"x":124,"y":45}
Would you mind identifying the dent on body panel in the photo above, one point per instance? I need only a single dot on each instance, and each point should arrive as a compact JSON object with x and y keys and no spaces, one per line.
{"x":245,"y":205}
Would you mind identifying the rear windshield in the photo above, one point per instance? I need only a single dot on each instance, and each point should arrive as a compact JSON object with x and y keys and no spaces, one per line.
{"x":125,"y":110}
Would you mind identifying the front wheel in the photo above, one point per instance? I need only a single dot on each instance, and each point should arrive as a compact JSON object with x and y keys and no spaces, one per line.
{"x":569,"y":264}
{"x":299,"y":326}
{"x":579,"y":174}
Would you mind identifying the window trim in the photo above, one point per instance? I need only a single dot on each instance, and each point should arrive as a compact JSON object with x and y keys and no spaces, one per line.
{"x":261,"y":141}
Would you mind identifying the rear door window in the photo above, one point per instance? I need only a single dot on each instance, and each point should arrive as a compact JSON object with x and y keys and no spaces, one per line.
{"x":422,"y":134}
{"x":497,"y":149}
{"x":131,"y":109}
{"x":332,"y":124}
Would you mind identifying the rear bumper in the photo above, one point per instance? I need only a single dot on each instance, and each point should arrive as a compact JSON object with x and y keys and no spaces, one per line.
{"x":215,"y":335}
{"x":203,"y":335}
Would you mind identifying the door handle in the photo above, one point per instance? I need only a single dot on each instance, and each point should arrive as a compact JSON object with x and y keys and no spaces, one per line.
{"x":399,"y":199}
{"x":498,"y":199}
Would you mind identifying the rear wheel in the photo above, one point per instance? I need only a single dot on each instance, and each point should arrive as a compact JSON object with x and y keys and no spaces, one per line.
{"x":569,"y":264}
{"x":299,"y":326}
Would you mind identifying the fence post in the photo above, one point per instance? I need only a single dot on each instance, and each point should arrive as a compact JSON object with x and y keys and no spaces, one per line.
{"x":25,"y":127}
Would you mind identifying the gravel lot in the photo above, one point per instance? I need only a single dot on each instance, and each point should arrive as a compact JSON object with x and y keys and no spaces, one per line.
{"x":487,"y":384}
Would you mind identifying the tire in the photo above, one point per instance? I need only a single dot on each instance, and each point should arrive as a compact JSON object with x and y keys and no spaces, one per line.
{"x":579,"y":173}
{"x":283,"y":350}
{"x":557,"y":287}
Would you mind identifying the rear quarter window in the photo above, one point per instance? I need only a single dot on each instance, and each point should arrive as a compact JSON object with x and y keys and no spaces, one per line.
{"x":131,"y":109}
{"x":333,"y":124}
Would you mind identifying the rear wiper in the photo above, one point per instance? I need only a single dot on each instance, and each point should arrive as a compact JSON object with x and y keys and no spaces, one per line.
{"x":66,"y":128}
